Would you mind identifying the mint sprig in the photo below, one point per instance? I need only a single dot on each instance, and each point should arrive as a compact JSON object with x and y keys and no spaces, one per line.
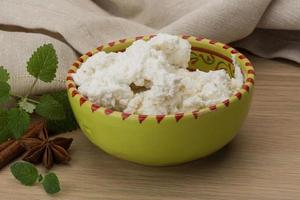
{"x":14,"y":121}
{"x":28,"y":175}
{"x":55,"y":108}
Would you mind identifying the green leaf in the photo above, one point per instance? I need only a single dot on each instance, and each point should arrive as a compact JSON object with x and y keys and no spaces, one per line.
{"x":50,"y":108}
{"x":18,"y":122}
{"x":4,"y":130}
{"x":4,"y":86}
{"x":25,"y":172}
{"x":43,"y":63}
{"x":27,"y":106}
{"x":67,"y":124}
{"x":4,"y":92}
{"x":51,"y":183}
{"x":4,"y":75}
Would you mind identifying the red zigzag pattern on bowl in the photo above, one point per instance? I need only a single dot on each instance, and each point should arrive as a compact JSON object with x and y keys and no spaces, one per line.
{"x":159,"y":118}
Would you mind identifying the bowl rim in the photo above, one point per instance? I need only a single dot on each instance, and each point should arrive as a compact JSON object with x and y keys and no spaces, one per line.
{"x":247,"y":86}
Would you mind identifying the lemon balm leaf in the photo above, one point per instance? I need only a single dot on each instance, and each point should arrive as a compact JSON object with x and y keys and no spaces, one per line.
{"x":51,"y":183}
{"x":4,"y":92}
{"x":18,"y":122}
{"x":43,"y":63}
{"x":4,"y":86}
{"x":24,"y":172}
{"x":4,"y":75}
{"x":27,"y":106}
{"x":50,"y":108}
{"x":69,"y":123}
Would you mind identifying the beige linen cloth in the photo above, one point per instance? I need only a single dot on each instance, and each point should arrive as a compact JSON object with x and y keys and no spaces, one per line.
{"x":265,"y":27}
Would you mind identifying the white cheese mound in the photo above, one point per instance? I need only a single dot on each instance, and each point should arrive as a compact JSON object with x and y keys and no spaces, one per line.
{"x":159,"y":66}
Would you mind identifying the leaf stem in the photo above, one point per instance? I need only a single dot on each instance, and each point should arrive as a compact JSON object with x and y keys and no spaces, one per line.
{"x":28,"y":99}
{"x":32,"y":101}
{"x":31,"y":88}
{"x":16,"y":96}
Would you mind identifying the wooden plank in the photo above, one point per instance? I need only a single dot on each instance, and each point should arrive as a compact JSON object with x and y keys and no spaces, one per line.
{"x":262,"y":162}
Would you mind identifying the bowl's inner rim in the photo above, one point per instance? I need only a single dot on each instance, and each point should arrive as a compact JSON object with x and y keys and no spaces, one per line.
{"x":217,"y":45}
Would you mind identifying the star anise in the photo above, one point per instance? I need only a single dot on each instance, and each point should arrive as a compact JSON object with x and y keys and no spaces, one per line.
{"x":48,"y":152}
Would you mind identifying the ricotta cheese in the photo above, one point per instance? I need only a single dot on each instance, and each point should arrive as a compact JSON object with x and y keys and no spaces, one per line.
{"x":151,"y":78}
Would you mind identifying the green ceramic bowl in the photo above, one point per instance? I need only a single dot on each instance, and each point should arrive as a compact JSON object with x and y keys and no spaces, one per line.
{"x":167,"y":139}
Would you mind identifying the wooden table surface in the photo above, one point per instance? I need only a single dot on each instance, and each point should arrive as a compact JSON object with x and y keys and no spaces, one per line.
{"x":262,"y":162}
